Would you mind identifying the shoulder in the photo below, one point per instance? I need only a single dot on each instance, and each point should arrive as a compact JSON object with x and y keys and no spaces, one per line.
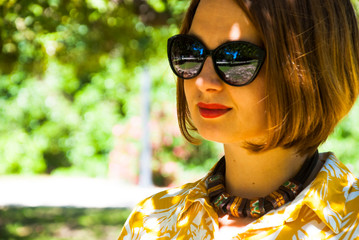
{"x":166,"y":199}
{"x":334,"y":197}
{"x":350,"y":221}
{"x":157,"y":214}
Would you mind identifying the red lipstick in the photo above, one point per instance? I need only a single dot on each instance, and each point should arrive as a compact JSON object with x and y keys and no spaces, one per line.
{"x":212,"y":110}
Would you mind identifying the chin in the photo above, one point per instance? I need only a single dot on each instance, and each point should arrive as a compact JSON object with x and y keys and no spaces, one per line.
{"x":217,"y":136}
{"x":224,"y":137}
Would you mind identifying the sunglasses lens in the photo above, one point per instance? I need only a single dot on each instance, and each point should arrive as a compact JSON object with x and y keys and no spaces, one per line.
{"x":237,"y":64}
{"x":186,"y":56}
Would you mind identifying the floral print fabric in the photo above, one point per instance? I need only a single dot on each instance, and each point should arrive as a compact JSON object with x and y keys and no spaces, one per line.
{"x":328,"y":208}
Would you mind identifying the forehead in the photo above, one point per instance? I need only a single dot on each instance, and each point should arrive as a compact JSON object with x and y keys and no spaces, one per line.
{"x":219,"y":21}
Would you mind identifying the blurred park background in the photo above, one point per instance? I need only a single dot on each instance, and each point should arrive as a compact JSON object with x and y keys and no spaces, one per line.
{"x":71,"y":96}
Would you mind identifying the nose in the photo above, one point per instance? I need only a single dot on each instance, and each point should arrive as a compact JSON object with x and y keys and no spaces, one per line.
{"x":208,"y":80}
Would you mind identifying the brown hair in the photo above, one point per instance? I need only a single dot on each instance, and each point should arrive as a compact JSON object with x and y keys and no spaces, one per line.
{"x":312,"y":79}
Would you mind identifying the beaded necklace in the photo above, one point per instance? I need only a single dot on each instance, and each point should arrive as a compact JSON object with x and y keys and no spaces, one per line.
{"x":243,"y":207}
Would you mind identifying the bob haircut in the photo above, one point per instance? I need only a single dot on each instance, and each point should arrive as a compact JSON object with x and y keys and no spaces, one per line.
{"x":311,"y":69}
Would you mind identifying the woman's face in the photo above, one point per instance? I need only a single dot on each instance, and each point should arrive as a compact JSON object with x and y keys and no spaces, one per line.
{"x":244,"y":117}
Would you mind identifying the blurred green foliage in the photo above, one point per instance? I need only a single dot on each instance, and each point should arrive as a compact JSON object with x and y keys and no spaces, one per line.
{"x":70,"y":70}
{"x":70,"y":73}
{"x":344,"y":141}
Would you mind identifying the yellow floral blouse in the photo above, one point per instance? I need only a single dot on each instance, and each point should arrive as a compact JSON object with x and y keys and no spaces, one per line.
{"x":327,"y":209}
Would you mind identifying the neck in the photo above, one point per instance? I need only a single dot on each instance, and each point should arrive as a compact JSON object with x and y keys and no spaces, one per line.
{"x":252,"y":175}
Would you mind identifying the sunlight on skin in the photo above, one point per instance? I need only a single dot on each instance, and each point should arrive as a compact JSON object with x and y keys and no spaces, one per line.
{"x":235,"y":32}
{"x":222,"y":25}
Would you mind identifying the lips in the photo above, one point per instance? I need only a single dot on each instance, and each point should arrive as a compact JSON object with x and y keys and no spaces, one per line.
{"x":212,"y":110}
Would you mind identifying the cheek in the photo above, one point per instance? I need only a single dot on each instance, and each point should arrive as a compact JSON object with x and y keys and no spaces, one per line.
{"x":259,"y":101}
{"x":251,"y":104}
{"x":191,"y":96}
{"x":188,"y":90}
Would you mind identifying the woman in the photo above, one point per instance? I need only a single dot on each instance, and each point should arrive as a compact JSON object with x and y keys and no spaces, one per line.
{"x":270,"y":80}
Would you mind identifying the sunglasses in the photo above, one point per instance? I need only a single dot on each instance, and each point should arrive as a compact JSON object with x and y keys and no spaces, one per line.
{"x":237,"y":63}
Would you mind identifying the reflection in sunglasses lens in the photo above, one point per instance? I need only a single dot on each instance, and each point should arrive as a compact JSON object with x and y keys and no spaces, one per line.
{"x":187,"y":57}
{"x":238,"y":74}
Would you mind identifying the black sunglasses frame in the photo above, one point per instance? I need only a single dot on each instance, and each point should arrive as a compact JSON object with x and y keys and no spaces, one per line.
{"x":261,"y":57}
